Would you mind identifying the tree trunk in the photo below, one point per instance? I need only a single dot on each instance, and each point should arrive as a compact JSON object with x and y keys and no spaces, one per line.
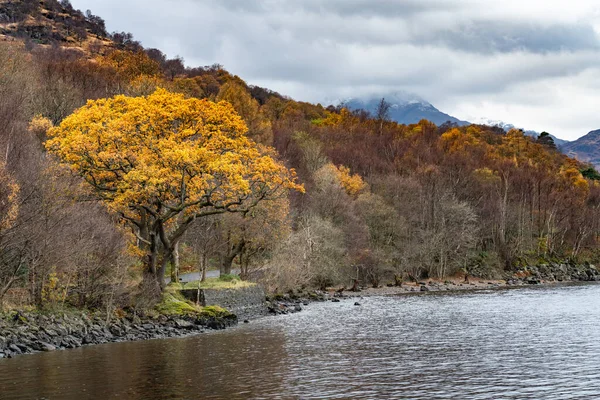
{"x":152,"y":257}
{"x":156,"y":266}
{"x":226,"y":262}
{"x":175,"y":264}
{"x":232,"y":253}
{"x":243,"y":266}
{"x":204,"y":267}
{"x":160,"y":274}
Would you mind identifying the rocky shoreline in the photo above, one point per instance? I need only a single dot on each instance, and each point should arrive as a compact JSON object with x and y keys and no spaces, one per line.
{"x":527,"y":276}
{"x":32,"y":332}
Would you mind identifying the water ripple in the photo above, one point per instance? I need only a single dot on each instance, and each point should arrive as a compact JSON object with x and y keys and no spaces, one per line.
{"x":514,"y":344}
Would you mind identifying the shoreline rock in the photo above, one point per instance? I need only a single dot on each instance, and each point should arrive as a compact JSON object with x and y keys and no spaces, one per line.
{"x":527,"y":276}
{"x":30,"y":332}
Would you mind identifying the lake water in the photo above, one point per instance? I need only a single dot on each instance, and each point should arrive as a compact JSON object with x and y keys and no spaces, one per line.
{"x":541,"y":343}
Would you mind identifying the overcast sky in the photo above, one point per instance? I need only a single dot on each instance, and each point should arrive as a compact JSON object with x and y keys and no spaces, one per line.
{"x":532,"y":63}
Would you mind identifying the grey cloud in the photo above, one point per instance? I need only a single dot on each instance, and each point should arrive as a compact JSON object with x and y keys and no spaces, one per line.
{"x":318,"y":49}
{"x":506,"y":36}
{"x":377,"y":8}
{"x":342,"y":8}
{"x":389,"y":22}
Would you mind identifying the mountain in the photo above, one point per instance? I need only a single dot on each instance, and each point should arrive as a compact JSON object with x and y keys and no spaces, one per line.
{"x":586,"y":148}
{"x":405,"y":109}
{"x":410,"y":109}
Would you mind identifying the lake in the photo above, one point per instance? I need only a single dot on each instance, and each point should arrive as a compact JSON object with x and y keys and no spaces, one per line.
{"x":532,"y":343}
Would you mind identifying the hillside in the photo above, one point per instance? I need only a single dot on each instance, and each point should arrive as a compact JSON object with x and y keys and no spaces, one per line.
{"x":49,"y":22}
{"x":380,"y":201}
{"x":586,"y":148}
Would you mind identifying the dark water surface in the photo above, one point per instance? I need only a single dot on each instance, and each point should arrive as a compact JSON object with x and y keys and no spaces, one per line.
{"x":541,"y":343}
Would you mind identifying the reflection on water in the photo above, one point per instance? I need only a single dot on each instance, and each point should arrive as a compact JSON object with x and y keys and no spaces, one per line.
{"x":206,"y":366}
{"x":514,"y":344}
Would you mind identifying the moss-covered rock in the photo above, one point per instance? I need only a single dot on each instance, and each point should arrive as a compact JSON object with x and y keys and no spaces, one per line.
{"x":215,"y":312}
{"x":173,"y":303}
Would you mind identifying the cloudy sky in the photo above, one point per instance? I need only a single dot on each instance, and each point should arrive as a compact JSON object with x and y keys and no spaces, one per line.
{"x":532,"y":63}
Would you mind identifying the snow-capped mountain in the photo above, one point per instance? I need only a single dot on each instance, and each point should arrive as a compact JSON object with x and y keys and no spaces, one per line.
{"x":405,"y":108}
{"x":493,"y":122}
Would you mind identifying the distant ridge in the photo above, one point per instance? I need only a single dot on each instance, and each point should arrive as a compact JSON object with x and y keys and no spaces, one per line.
{"x":405,"y":109}
{"x":586,"y":148}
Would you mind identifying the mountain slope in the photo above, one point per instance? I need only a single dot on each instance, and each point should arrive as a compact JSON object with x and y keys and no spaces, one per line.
{"x":53,"y":22}
{"x":405,"y":109}
{"x":586,"y":148}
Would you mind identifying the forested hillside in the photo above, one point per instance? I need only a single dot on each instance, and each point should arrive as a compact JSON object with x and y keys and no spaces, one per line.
{"x":310,"y":196}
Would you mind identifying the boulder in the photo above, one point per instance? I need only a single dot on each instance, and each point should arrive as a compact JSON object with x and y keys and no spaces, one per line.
{"x":24,"y":347}
{"x":61,"y":330}
{"x":116,"y":330}
{"x":88,"y":339}
{"x":183,"y":324}
{"x":47,"y":347}
{"x":14,"y":348}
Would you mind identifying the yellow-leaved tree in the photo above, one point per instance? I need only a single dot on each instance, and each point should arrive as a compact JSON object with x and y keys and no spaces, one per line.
{"x":259,"y":126}
{"x":163,"y":161}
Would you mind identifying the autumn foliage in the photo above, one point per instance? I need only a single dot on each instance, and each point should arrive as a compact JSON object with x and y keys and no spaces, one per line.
{"x":180,"y":155}
{"x":163,"y":161}
{"x":501,"y":199}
